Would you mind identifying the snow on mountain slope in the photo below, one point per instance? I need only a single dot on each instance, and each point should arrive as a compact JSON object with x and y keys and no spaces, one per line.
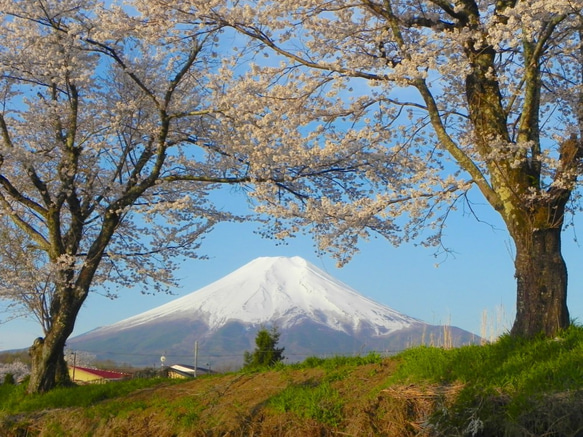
{"x":282,"y":290}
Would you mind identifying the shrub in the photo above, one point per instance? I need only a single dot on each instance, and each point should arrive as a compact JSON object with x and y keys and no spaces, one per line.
{"x":9,"y":379}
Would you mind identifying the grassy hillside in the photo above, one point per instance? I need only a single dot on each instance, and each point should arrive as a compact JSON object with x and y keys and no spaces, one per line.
{"x":510,"y":388}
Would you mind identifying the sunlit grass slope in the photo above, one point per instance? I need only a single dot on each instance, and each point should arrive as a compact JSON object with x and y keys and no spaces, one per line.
{"x":512,"y":387}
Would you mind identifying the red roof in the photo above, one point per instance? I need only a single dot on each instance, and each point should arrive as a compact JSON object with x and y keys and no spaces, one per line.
{"x":107,"y":374}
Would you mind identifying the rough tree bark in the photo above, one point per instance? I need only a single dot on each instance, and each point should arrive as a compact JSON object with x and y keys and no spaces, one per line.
{"x":49,"y":368}
{"x":541,"y":276}
{"x":540,"y":270}
{"x":48,"y":360}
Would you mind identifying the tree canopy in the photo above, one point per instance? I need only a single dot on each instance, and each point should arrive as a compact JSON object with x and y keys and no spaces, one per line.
{"x":94,"y":113}
{"x":116,"y":127}
{"x":454,"y":97}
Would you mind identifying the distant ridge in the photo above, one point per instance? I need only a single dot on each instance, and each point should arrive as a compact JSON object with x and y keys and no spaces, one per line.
{"x":314,"y":312}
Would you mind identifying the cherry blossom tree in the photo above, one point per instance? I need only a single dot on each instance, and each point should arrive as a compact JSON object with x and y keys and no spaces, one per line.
{"x":16,"y":369}
{"x":117,"y":124}
{"x":454,"y":94}
{"x":94,"y":122}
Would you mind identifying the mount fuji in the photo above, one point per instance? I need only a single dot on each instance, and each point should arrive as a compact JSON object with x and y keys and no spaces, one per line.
{"x":315,"y":314}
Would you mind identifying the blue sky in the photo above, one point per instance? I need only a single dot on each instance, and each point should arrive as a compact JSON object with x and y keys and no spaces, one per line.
{"x":478,"y":277}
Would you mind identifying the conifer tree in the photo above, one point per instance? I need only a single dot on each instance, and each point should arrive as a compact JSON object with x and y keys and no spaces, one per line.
{"x":266,"y":353}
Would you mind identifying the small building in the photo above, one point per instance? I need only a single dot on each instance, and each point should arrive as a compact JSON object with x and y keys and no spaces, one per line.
{"x":85,"y":375}
{"x":186,"y":371}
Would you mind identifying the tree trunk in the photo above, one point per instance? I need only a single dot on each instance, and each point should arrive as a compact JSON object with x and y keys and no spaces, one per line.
{"x":49,"y":368}
{"x":541,"y":275}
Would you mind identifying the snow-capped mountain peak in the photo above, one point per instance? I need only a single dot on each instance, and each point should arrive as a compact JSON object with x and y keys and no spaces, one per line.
{"x":280,"y":290}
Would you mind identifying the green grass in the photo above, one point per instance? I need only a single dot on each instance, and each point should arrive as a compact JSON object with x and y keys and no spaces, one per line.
{"x":513,"y":364}
{"x":511,"y":387}
{"x":330,"y":363}
{"x":337,"y":361}
{"x":317,"y":401}
{"x":13,"y":398}
{"x":183,"y":411}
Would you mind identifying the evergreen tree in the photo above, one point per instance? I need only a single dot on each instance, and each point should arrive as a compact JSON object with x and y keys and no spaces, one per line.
{"x":266,"y":352}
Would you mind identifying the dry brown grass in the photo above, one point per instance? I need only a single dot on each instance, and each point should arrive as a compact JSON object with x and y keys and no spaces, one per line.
{"x":239,"y":405}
